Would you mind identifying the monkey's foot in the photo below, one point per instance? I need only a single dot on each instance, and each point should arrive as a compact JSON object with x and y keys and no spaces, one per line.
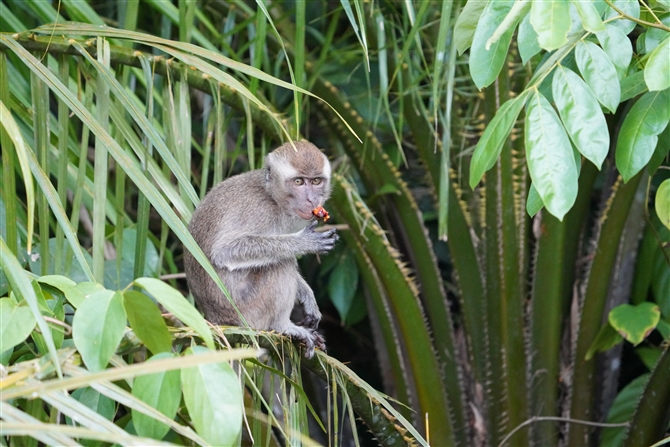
{"x":310,"y":321}
{"x":309,"y":337}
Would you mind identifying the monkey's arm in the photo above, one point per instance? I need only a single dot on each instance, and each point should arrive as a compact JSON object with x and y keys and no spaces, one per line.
{"x":308,"y":303}
{"x":254,"y":251}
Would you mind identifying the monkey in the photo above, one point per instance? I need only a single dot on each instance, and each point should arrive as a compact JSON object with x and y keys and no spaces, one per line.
{"x":251,"y":227}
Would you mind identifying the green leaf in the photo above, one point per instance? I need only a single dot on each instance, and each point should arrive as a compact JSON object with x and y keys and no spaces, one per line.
{"x":654,"y":36}
{"x":527,"y":40}
{"x":618,"y":48}
{"x":485,"y":65}
{"x":550,"y":157}
{"x":633,"y":85}
{"x":622,"y":410}
{"x":466,"y":24}
{"x":581,"y":115}
{"x":639,"y":132}
{"x":81,"y":291}
{"x":591,"y":20}
{"x":16,"y":323}
{"x":175,"y":302}
{"x":662,"y":202}
{"x":97,"y":328}
{"x":662,"y":150}
{"x":343,"y":283}
{"x":146,"y":321}
{"x":629,"y":7}
{"x":65,"y":285}
{"x":213,"y":398}
{"x":606,"y":339}
{"x":161,"y":391}
{"x":102,"y":405}
{"x":635,"y":323}
{"x":551,"y":21}
{"x":657,"y":70}
{"x":534,"y":202}
{"x":491,"y":143}
{"x":599,"y":73}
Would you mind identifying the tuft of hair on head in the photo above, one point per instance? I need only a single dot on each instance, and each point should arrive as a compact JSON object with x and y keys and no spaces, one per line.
{"x":300,"y":157}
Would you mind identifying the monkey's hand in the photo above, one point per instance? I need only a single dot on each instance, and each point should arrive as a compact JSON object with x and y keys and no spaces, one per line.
{"x":321,"y":242}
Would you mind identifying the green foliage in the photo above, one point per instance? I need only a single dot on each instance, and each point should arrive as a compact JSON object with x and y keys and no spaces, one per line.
{"x":111,"y":135}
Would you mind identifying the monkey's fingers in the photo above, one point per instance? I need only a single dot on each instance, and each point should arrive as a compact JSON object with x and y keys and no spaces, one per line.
{"x":319,"y":341}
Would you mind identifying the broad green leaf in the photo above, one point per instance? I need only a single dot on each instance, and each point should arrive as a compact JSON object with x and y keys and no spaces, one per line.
{"x":343,"y":283}
{"x":654,"y":36}
{"x":662,"y":150}
{"x":622,"y":411}
{"x":146,"y":321}
{"x":527,"y":40}
{"x":213,"y":398}
{"x":606,"y":339}
{"x":518,"y":11}
{"x":81,"y":291}
{"x":633,"y":85}
{"x":590,"y":16}
{"x":466,"y":24}
{"x":485,"y":65}
{"x":599,"y":74}
{"x":534,"y":202}
{"x":97,"y":328}
{"x":639,"y":132}
{"x":161,"y":391}
{"x":629,"y":7}
{"x":491,"y":143}
{"x":102,"y":405}
{"x":635,"y":323}
{"x":618,"y":48}
{"x":16,"y":323}
{"x":65,"y":285}
{"x":551,"y":21}
{"x":660,"y":286}
{"x":581,"y":115}
{"x":662,"y":202}
{"x":657,"y":70}
{"x":175,"y":302}
{"x":550,"y":157}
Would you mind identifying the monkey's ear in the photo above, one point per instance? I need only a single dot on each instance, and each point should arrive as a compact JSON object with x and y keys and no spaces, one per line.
{"x":268,"y":174}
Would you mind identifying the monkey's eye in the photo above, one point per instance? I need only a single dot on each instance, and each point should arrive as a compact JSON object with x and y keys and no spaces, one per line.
{"x":316,"y":181}
{"x":298,"y":181}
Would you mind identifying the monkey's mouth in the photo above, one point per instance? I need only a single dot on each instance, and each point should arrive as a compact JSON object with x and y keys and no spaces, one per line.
{"x":307,"y":215}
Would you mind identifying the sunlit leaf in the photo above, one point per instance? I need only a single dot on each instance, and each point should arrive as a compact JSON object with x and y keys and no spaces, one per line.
{"x":213,"y":397}
{"x":618,"y":48}
{"x":581,"y":115}
{"x":551,"y":21}
{"x":550,"y":157}
{"x":629,"y":7}
{"x":599,"y":74}
{"x":491,"y":143}
{"x":16,"y":323}
{"x":161,"y":391}
{"x":635,"y":323}
{"x":657,"y":70}
{"x":639,"y":132}
{"x":527,"y":40}
{"x":486,"y":64}
{"x":97,"y":328}
{"x":533,"y":202}
{"x":466,"y":24}
{"x":662,"y":202}
{"x":654,"y":36}
{"x":590,"y":16}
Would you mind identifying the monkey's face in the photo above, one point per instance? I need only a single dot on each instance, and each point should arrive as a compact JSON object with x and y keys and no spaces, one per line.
{"x":306,"y":193}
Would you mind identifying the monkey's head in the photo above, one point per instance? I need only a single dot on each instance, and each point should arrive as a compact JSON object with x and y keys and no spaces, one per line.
{"x":298,"y":180}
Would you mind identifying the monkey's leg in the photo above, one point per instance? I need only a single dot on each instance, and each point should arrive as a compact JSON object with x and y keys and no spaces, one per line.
{"x":308,"y":304}
{"x":309,"y":337}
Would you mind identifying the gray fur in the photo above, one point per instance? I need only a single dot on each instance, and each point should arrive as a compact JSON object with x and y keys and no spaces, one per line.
{"x":247,"y":228}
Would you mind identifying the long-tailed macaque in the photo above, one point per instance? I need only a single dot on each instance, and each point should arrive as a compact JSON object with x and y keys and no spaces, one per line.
{"x":251,"y":227}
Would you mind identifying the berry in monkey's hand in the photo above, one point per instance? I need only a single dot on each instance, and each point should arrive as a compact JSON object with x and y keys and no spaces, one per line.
{"x":320,"y":213}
